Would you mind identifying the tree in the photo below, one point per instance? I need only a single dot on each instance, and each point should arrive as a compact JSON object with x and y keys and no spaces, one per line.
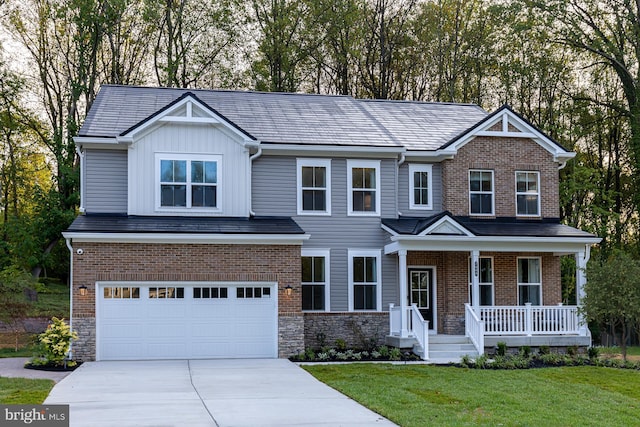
{"x":13,"y":303}
{"x":613,"y":296}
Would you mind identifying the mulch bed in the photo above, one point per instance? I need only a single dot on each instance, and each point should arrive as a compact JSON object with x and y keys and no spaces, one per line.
{"x":53,"y":367}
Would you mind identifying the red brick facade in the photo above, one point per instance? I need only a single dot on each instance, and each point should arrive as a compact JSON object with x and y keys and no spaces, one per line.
{"x":452,"y":281}
{"x":188,"y":262}
{"x":504,"y":156}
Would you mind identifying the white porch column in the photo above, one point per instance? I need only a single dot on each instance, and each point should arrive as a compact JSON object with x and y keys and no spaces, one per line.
{"x":475,"y":281}
{"x":581,"y":276}
{"x":404,"y":285}
{"x":581,"y":279}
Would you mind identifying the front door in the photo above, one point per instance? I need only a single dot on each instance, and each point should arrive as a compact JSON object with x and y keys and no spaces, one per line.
{"x":421,"y":292}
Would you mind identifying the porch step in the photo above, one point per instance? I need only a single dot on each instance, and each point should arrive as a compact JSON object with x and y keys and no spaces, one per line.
{"x":450,"y":348}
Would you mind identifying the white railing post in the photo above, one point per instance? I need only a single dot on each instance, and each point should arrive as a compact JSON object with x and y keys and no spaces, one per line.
{"x":404,"y":285}
{"x":391,"y":325}
{"x":425,"y":340}
{"x":528,"y":319}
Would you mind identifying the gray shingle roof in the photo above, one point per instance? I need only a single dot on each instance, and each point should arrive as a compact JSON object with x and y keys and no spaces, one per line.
{"x":499,"y":227}
{"x":288,"y":118}
{"x":190,"y":225}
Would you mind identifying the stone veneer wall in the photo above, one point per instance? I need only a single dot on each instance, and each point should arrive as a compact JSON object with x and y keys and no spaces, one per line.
{"x":356,"y":329}
{"x":186,"y":262}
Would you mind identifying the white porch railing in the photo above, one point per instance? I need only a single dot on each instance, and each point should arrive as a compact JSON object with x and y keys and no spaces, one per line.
{"x":394,"y":320}
{"x":420,"y":328}
{"x":530,"y":320}
{"x":474,"y":328}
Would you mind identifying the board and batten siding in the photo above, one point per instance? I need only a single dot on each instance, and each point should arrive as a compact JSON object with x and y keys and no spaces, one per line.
{"x":233,"y":172}
{"x":275,"y":193}
{"x":404,"y":187}
{"x":105,"y":181}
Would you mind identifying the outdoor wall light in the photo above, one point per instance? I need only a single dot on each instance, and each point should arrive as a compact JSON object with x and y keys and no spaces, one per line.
{"x":288,"y":289}
{"x":83,"y":290}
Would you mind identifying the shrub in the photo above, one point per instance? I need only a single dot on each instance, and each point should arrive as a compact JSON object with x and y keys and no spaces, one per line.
{"x":593,"y":352}
{"x":384,"y":351}
{"x":544,"y":349}
{"x":572,"y":350}
{"x":54,"y":343}
{"x":341,"y":344}
{"x":465,"y":361}
{"x":481,"y":361}
{"x":310,"y":354}
{"x":395,"y":354}
{"x":501,"y":348}
{"x":525,"y":351}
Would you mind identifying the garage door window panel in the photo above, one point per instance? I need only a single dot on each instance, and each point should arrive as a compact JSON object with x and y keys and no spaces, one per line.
{"x":166,"y":293}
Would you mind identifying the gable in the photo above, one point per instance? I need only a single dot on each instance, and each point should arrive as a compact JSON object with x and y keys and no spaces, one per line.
{"x":505,"y":123}
{"x":446,"y":226}
{"x":186,"y":110}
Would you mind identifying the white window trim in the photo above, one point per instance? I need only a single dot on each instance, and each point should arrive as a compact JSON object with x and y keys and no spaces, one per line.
{"x":529,"y":284}
{"x":325,"y":163}
{"x":351,"y":164}
{"x":493,"y":192}
{"x":539,"y":214}
{"x":352,"y":253}
{"x":492,"y":283}
{"x":188,"y":158}
{"x":413,"y":168}
{"x":326,"y":253}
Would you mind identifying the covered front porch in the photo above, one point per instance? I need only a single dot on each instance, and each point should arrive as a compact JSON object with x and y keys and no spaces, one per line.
{"x":485,"y":288}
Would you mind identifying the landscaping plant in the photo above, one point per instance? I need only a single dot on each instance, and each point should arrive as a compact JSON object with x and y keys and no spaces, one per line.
{"x":54,"y":344}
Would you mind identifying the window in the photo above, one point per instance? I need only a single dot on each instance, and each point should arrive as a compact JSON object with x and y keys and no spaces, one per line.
{"x":363,"y":181}
{"x":529,"y":281}
{"x":527,"y":193}
{"x":485,"y":280}
{"x":480,"y":192}
{"x":253,"y":292}
{"x":365,"y":287}
{"x":314,"y":187}
{"x":420,"y":193}
{"x":190,"y":183}
{"x":208,"y":293}
{"x":121,"y":292}
{"x":315,"y":280}
{"x":166,"y":293}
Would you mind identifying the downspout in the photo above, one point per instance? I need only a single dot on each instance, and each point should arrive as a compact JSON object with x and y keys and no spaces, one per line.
{"x":562,"y":165}
{"x":81,"y":155}
{"x":400,"y":162}
{"x":68,"y":241}
{"x":251,"y":159}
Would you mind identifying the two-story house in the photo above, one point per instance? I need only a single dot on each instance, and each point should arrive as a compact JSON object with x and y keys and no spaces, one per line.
{"x":245,"y":224}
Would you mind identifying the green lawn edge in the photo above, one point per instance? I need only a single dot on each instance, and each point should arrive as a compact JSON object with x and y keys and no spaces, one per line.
{"x":15,"y":391}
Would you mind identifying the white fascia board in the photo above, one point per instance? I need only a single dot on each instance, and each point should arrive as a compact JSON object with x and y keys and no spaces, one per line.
{"x":388,"y":230}
{"x":489,"y":243}
{"x":430,"y":156}
{"x":334,"y":150}
{"x":170,"y":238}
{"x":100,"y":143}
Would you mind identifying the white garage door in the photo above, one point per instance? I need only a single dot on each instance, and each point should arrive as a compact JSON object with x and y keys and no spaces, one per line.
{"x":167,"y":321}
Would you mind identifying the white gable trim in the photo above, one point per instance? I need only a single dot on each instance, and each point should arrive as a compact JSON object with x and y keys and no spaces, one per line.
{"x":446,"y":226}
{"x":190,"y":104}
{"x":524,"y":130}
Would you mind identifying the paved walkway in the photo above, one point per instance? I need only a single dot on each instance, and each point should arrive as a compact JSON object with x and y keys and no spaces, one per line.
{"x":13,"y":367}
{"x":258,"y":392}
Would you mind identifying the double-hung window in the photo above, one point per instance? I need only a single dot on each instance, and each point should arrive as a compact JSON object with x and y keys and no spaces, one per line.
{"x":420,"y":193}
{"x":527,"y":193}
{"x":529,"y":281}
{"x":365,"y":285}
{"x":363,"y":181}
{"x":315,"y":280}
{"x":485,"y":279}
{"x":481,"y":192}
{"x":314,"y":186}
{"x":188,"y":182}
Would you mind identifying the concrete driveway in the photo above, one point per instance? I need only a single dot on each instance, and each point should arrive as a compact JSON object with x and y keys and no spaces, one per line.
{"x":257,"y":392}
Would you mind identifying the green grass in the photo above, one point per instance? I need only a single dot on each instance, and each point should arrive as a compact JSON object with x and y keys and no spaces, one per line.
{"x":421,"y":395}
{"x":53,"y":301}
{"x":24,"y":391}
{"x":26,"y":351}
{"x":631,"y":351}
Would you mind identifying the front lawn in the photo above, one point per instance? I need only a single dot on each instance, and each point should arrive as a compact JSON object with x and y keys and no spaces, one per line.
{"x":420,"y":395}
{"x":24,"y":391}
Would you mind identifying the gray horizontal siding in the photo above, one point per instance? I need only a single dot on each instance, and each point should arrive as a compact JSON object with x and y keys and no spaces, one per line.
{"x":105,"y":181}
{"x":274,"y":193}
{"x":403,"y":192}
